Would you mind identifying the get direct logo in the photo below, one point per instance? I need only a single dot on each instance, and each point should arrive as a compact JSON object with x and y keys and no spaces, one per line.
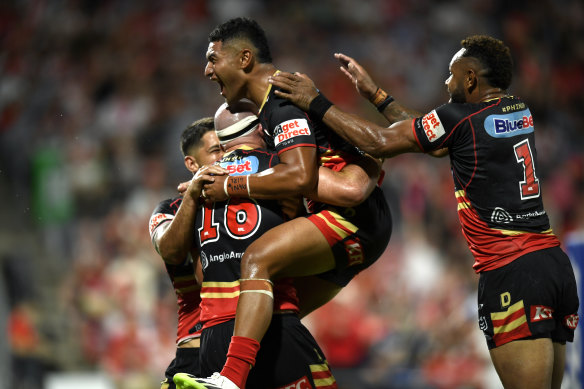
{"x":290,"y":129}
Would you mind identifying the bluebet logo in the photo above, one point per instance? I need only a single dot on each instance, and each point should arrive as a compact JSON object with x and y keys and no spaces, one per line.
{"x":242,"y":167}
{"x":508,"y":125}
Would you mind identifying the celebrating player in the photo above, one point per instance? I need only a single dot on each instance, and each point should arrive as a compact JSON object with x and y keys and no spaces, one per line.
{"x":527,"y":301}
{"x":289,"y":356}
{"x":339,"y":241}
{"x":172,"y":230}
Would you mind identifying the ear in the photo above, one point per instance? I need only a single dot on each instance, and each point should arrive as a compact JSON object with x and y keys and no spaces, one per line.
{"x":191,"y":164}
{"x":246,"y":59}
{"x":471,"y":81}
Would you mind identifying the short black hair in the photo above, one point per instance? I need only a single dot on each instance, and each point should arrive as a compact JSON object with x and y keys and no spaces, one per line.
{"x":191,"y":136}
{"x":244,"y":28}
{"x":494,"y":55}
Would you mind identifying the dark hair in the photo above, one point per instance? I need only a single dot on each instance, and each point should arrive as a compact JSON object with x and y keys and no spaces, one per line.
{"x":191,"y":136}
{"x":244,"y":28}
{"x":493,"y":55}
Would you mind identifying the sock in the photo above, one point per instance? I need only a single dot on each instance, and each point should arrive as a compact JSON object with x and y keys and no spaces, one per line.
{"x":240,"y":359}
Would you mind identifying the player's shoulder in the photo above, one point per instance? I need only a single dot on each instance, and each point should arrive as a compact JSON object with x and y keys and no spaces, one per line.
{"x":170,"y":205}
{"x":277,"y":108}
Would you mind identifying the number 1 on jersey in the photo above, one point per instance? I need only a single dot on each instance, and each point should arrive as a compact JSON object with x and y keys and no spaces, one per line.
{"x":529,"y":187}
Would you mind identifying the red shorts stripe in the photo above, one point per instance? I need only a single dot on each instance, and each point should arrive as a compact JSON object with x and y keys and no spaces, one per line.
{"x":518,"y":333}
{"x":330,"y":235}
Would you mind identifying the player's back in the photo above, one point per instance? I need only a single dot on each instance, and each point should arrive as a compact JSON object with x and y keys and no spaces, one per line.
{"x":225,"y":230}
{"x":493,"y":159}
{"x":287,"y":126}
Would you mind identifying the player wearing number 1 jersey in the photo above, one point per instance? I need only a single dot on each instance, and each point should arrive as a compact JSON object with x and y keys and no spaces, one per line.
{"x":527,"y":290}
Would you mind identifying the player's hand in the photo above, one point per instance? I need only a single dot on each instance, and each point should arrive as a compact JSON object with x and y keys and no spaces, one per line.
{"x":215,"y":190}
{"x":297,"y":88}
{"x":205,"y":174}
{"x":358,"y":76}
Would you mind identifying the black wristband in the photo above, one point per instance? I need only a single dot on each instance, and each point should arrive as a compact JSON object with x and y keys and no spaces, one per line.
{"x":318,"y":106}
{"x":385,"y":103}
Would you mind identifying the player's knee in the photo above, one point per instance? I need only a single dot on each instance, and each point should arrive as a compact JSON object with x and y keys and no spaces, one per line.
{"x":254,"y":265}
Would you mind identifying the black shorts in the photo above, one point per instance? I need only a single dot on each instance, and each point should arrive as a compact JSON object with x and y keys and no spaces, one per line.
{"x":289,"y":357}
{"x":357,"y":236}
{"x":186,"y":360}
{"x":534,"y":296}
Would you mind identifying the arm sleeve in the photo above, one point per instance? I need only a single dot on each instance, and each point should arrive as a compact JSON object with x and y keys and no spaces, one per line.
{"x":290,"y":127}
{"x":433,"y":130}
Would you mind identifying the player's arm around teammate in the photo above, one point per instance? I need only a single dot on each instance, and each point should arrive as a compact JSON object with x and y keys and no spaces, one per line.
{"x":480,"y":73}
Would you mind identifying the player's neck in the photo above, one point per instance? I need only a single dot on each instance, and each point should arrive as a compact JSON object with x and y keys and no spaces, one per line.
{"x":491,"y":93}
{"x":259,"y":83}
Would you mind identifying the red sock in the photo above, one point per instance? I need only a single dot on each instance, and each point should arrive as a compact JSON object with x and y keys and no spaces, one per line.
{"x":240,"y":359}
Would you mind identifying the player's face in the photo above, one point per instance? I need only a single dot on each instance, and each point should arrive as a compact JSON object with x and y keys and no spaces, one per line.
{"x":222,"y":67}
{"x":455,"y":82}
{"x":210,"y":150}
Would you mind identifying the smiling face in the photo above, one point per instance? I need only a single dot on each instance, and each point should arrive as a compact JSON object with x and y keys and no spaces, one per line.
{"x":225,"y":67}
{"x":209,"y":150}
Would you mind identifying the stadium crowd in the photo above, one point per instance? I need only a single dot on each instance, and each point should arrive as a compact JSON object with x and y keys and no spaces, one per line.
{"x":93,"y":98}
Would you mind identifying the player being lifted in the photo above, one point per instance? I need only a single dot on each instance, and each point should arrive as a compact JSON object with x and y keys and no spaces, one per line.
{"x":339,"y":240}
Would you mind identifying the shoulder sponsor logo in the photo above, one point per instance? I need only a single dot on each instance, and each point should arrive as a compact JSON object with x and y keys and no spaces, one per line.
{"x":508,"y":125}
{"x":540,"y":312}
{"x":290,"y":129}
{"x":501,"y":216}
{"x":155,"y":220}
{"x":241,"y":167}
{"x":571,"y":321}
{"x":432,"y":126}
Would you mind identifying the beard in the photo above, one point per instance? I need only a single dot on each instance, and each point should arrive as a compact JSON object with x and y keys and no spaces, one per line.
{"x":457,"y":96}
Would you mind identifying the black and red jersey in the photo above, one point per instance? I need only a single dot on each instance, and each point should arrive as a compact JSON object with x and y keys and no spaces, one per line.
{"x":495,"y":172}
{"x":224,"y":231}
{"x":182,"y":277}
{"x":286,"y":126}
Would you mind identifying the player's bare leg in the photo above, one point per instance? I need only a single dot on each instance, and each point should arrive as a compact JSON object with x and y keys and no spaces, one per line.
{"x":526,"y":364}
{"x":559,"y":365}
{"x":313,"y":292}
{"x":295,"y":248}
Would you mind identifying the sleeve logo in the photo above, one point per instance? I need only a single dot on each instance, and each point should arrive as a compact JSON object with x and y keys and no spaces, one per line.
{"x":157,"y":219}
{"x":290,"y":129}
{"x":432,"y":126}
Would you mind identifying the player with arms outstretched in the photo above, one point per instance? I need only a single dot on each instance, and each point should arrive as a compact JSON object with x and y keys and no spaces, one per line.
{"x":527,"y":301}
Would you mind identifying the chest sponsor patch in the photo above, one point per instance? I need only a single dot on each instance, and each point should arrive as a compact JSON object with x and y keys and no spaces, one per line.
{"x":508,"y":125}
{"x":241,"y":166}
{"x":432,"y":126}
{"x":290,"y":129}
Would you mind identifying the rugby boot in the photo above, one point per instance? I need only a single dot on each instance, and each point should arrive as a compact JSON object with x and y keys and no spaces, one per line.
{"x":216,"y":381}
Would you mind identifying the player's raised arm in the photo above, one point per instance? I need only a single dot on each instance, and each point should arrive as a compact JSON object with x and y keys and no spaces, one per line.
{"x":376,"y":140}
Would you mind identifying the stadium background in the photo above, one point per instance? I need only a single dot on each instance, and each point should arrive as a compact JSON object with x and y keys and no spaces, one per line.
{"x":93,"y":98}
